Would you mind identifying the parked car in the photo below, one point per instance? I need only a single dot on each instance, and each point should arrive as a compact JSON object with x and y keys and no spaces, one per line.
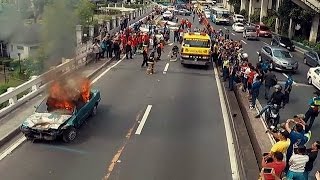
{"x":167,"y":15}
{"x":282,"y":41}
{"x":238,"y":18}
{"x":49,"y":123}
{"x":279,"y":58}
{"x":313,"y":77}
{"x":263,"y":30}
{"x":184,"y":12}
{"x":312,"y":58}
{"x":250,"y":32}
{"x":238,"y":27}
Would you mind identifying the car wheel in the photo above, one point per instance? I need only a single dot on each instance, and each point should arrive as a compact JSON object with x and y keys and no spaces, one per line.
{"x":94,"y":110}
{"x":69,"y":134}
{"x":304,"y":60}
{"x":309,"y":80}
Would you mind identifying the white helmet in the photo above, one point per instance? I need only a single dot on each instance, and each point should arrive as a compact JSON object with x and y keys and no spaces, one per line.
{"x":245,"y":55}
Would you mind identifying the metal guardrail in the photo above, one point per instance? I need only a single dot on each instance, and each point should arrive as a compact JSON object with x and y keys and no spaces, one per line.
{"x":16,"y":96}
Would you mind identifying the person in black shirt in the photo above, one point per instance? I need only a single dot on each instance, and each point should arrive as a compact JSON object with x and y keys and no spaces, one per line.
{"x":312,"y":153}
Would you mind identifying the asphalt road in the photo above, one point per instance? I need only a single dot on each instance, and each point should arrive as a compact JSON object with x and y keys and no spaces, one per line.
{"x":301,"y":91}
{"x":183,"y":136}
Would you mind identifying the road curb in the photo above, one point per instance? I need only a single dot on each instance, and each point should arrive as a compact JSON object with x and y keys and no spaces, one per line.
{"x":16,"y":130}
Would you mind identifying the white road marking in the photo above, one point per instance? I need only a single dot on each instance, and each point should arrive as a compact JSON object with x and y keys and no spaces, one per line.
{"x":143,"y":120}
{"x":233,"y":34}
{"x":243,"y":41}
{"x":170,"y":44}
{"x":224,"y":27}
{"x":105,"y":72}
{"x":231,"y":149}
{"x":265,"y":43}
{"x":296,"y":84}
{"x":12,"y":147}
{"x":21,"y":140}
{"x":166,"y":68}
{"x":285,"y":75}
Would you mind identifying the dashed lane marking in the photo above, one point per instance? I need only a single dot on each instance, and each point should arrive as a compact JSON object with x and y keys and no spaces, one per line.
{"x":170,"y":44}
{"x":166,"y":68}
{"x":233,"y":34}
{"x":143,"y":120}
{"x":116,"y":157}
{"x":243,"y":41}
{"x":265,"y":43}
{"x":224,"y":27}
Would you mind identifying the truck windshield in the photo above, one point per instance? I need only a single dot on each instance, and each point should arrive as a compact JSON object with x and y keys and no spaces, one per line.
{"x":197,"y":43}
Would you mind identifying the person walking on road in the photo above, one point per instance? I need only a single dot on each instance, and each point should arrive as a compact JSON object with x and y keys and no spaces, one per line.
{"x":288,"y":88}
{"x":255,"y":91}
{"x":270,"y":80}
{"x":313,"y":110}
{"x":145,"y":57}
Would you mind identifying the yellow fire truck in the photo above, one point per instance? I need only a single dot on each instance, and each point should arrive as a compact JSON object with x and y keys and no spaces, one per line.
{"x":196,"y":49}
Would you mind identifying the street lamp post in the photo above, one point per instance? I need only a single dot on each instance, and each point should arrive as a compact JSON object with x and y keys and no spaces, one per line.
{"x":19,"y":54}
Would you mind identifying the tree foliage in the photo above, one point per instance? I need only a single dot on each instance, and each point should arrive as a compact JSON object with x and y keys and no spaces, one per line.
{"x":85,"y":11}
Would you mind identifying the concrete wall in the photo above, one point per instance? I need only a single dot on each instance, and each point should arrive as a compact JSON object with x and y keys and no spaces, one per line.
{"x":24,"y":50}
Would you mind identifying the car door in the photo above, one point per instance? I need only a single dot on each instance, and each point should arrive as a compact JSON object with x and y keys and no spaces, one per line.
{"x":312,"y":57}
{"x":316,"y":78}
{"x":83,"y":112}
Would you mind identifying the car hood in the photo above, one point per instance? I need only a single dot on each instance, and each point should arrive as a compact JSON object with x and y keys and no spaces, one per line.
{"x":44,"y":121}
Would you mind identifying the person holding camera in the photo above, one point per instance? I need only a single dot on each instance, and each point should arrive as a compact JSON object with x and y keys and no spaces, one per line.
{"x":273,"y":163}
{"x":297,"y":163}
{"x":296,"y":135}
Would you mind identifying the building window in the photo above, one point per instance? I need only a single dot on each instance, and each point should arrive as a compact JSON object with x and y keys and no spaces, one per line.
{"x":34,"y":47}
{"x":20,"y":47}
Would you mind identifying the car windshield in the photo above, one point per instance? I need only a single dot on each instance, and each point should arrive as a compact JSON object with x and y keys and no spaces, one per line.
{"x":264,"y":28}
{"x":281,"y":54}
{"x":196,"y":43}
{"x":45,"y":108}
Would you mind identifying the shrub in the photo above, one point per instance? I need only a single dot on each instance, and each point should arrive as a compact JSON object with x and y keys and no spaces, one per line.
{"x":255,"y":18}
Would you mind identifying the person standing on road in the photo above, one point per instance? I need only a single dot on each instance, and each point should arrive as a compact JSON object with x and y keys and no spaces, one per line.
{"x":288,"y":88}
{"x":232,"y":74}
{"x":145,"y":57}
{"x":226,"y":35}
{"x":313,"y":110}
{"x":96,"y":50}
{"x":312,"y":153}
{"x":116,"y":49}
{"x":270,"y":80}
{"x":255,"y":91}
{"x":129,"y":49}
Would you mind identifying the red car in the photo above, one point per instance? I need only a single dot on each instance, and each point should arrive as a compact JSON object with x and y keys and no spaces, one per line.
{"x":263,"y":31}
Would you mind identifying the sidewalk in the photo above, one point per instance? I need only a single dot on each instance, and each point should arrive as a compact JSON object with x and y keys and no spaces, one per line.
{"x":9,"y":124}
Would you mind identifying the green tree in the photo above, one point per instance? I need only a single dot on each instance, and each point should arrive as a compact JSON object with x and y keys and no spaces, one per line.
{"x":58,"y":35}
{"x":85,"y":11}
{"x":236,"y":5}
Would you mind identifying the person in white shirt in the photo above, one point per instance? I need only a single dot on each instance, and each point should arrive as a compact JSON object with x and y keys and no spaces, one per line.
{"x":297,"y":163}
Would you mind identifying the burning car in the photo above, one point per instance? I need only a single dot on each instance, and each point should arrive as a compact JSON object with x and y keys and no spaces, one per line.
{"x":68,"y":105}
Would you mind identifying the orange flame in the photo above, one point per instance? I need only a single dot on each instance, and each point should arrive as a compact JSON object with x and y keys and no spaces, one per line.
{"x":64,"y":93}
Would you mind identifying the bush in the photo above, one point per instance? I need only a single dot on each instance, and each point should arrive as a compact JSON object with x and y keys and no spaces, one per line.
{"x":270,"y":21}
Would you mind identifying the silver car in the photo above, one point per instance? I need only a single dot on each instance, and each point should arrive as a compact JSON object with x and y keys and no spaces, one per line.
{"x":250,"y":32}
{"x":279,"y":58}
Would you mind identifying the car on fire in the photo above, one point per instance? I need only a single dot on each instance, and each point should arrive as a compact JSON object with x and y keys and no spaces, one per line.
{"x":53,"y":119}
